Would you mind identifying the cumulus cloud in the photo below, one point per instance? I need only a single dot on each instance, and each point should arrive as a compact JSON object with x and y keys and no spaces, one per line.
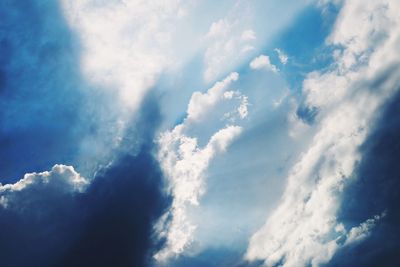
{"x":304,"y":228}
{"x":263,"y":62}
{"x":61,"y":179}
{"x":184,"y":163}
{"x":33,"y":209}
{"x":60,"y":218}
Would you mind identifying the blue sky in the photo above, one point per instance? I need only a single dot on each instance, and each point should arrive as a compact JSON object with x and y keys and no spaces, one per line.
{"x":196,"y":133}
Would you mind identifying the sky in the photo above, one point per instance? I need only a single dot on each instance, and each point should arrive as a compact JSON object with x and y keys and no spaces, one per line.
{"x":199,"y":133}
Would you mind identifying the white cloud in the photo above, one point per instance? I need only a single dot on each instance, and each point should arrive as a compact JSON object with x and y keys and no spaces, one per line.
{"x":283,"y":58}
{"x":243,"y":108}
{"x":126,"y":44}
{"x":61,"y":178}
{"x":263,"y":62}
{"x":184,"y":163}
{"x":304,"y":228}
{"x":359,"y":233}
{"x":199,"y":103}
{"x":228,"y":41}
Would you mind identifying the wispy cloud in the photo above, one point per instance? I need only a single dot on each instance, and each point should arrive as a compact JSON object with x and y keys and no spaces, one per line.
{"x":228,"y":41}
{"x":283,"y":58}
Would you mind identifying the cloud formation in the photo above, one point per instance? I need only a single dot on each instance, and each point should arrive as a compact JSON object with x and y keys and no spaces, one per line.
{"x":61,"y":178}
{"x":61,"y":219}
{"x":304,"y":229}
{"x":142,"y":42}
{"x":375,"y":189}
{"x":184,"y":163}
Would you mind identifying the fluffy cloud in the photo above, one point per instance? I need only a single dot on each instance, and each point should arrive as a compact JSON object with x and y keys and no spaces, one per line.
{"x":33,"y":209}
{"x":62,"y":179}
{"x":263,"y":62}
{"x":304,"y":228}
{"x":59,"y":218}
{"x":184,"y":163}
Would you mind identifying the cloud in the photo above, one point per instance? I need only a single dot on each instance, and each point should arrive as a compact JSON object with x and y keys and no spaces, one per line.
{"x":375,"y":190}
{"x":141,"y":33}
{"x":184,"y":163}
{"x":304,"y":229}
{"x":200,"y":103}
{"x":263,"y":62}
{"x":283,"y":58}
{"x":37,"y":211}
{"x":59,"y":218}
{"x":61,"y":178}
{"x":358,"y":234}
{"x":126,"y":46}
{"x":228,"y":40}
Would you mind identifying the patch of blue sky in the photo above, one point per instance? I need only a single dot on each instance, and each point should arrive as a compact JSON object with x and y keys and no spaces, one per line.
{"x":40,"y":100}
{"x":304,"y":44}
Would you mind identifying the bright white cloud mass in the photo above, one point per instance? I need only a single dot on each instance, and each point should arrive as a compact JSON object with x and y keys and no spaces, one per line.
{"x":199,"y":133}
{"x":184,"y":162}
{"x":304,"y":228}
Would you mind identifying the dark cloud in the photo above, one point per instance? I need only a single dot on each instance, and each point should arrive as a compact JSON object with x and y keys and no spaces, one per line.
{"x":376,"y":190}
{"x":119,"y":207}
{"x":45,"y":111}
{"x":110,"y":224}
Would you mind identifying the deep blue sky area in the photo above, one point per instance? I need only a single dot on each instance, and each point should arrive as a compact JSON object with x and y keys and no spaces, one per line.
{"x":40,"y":91}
